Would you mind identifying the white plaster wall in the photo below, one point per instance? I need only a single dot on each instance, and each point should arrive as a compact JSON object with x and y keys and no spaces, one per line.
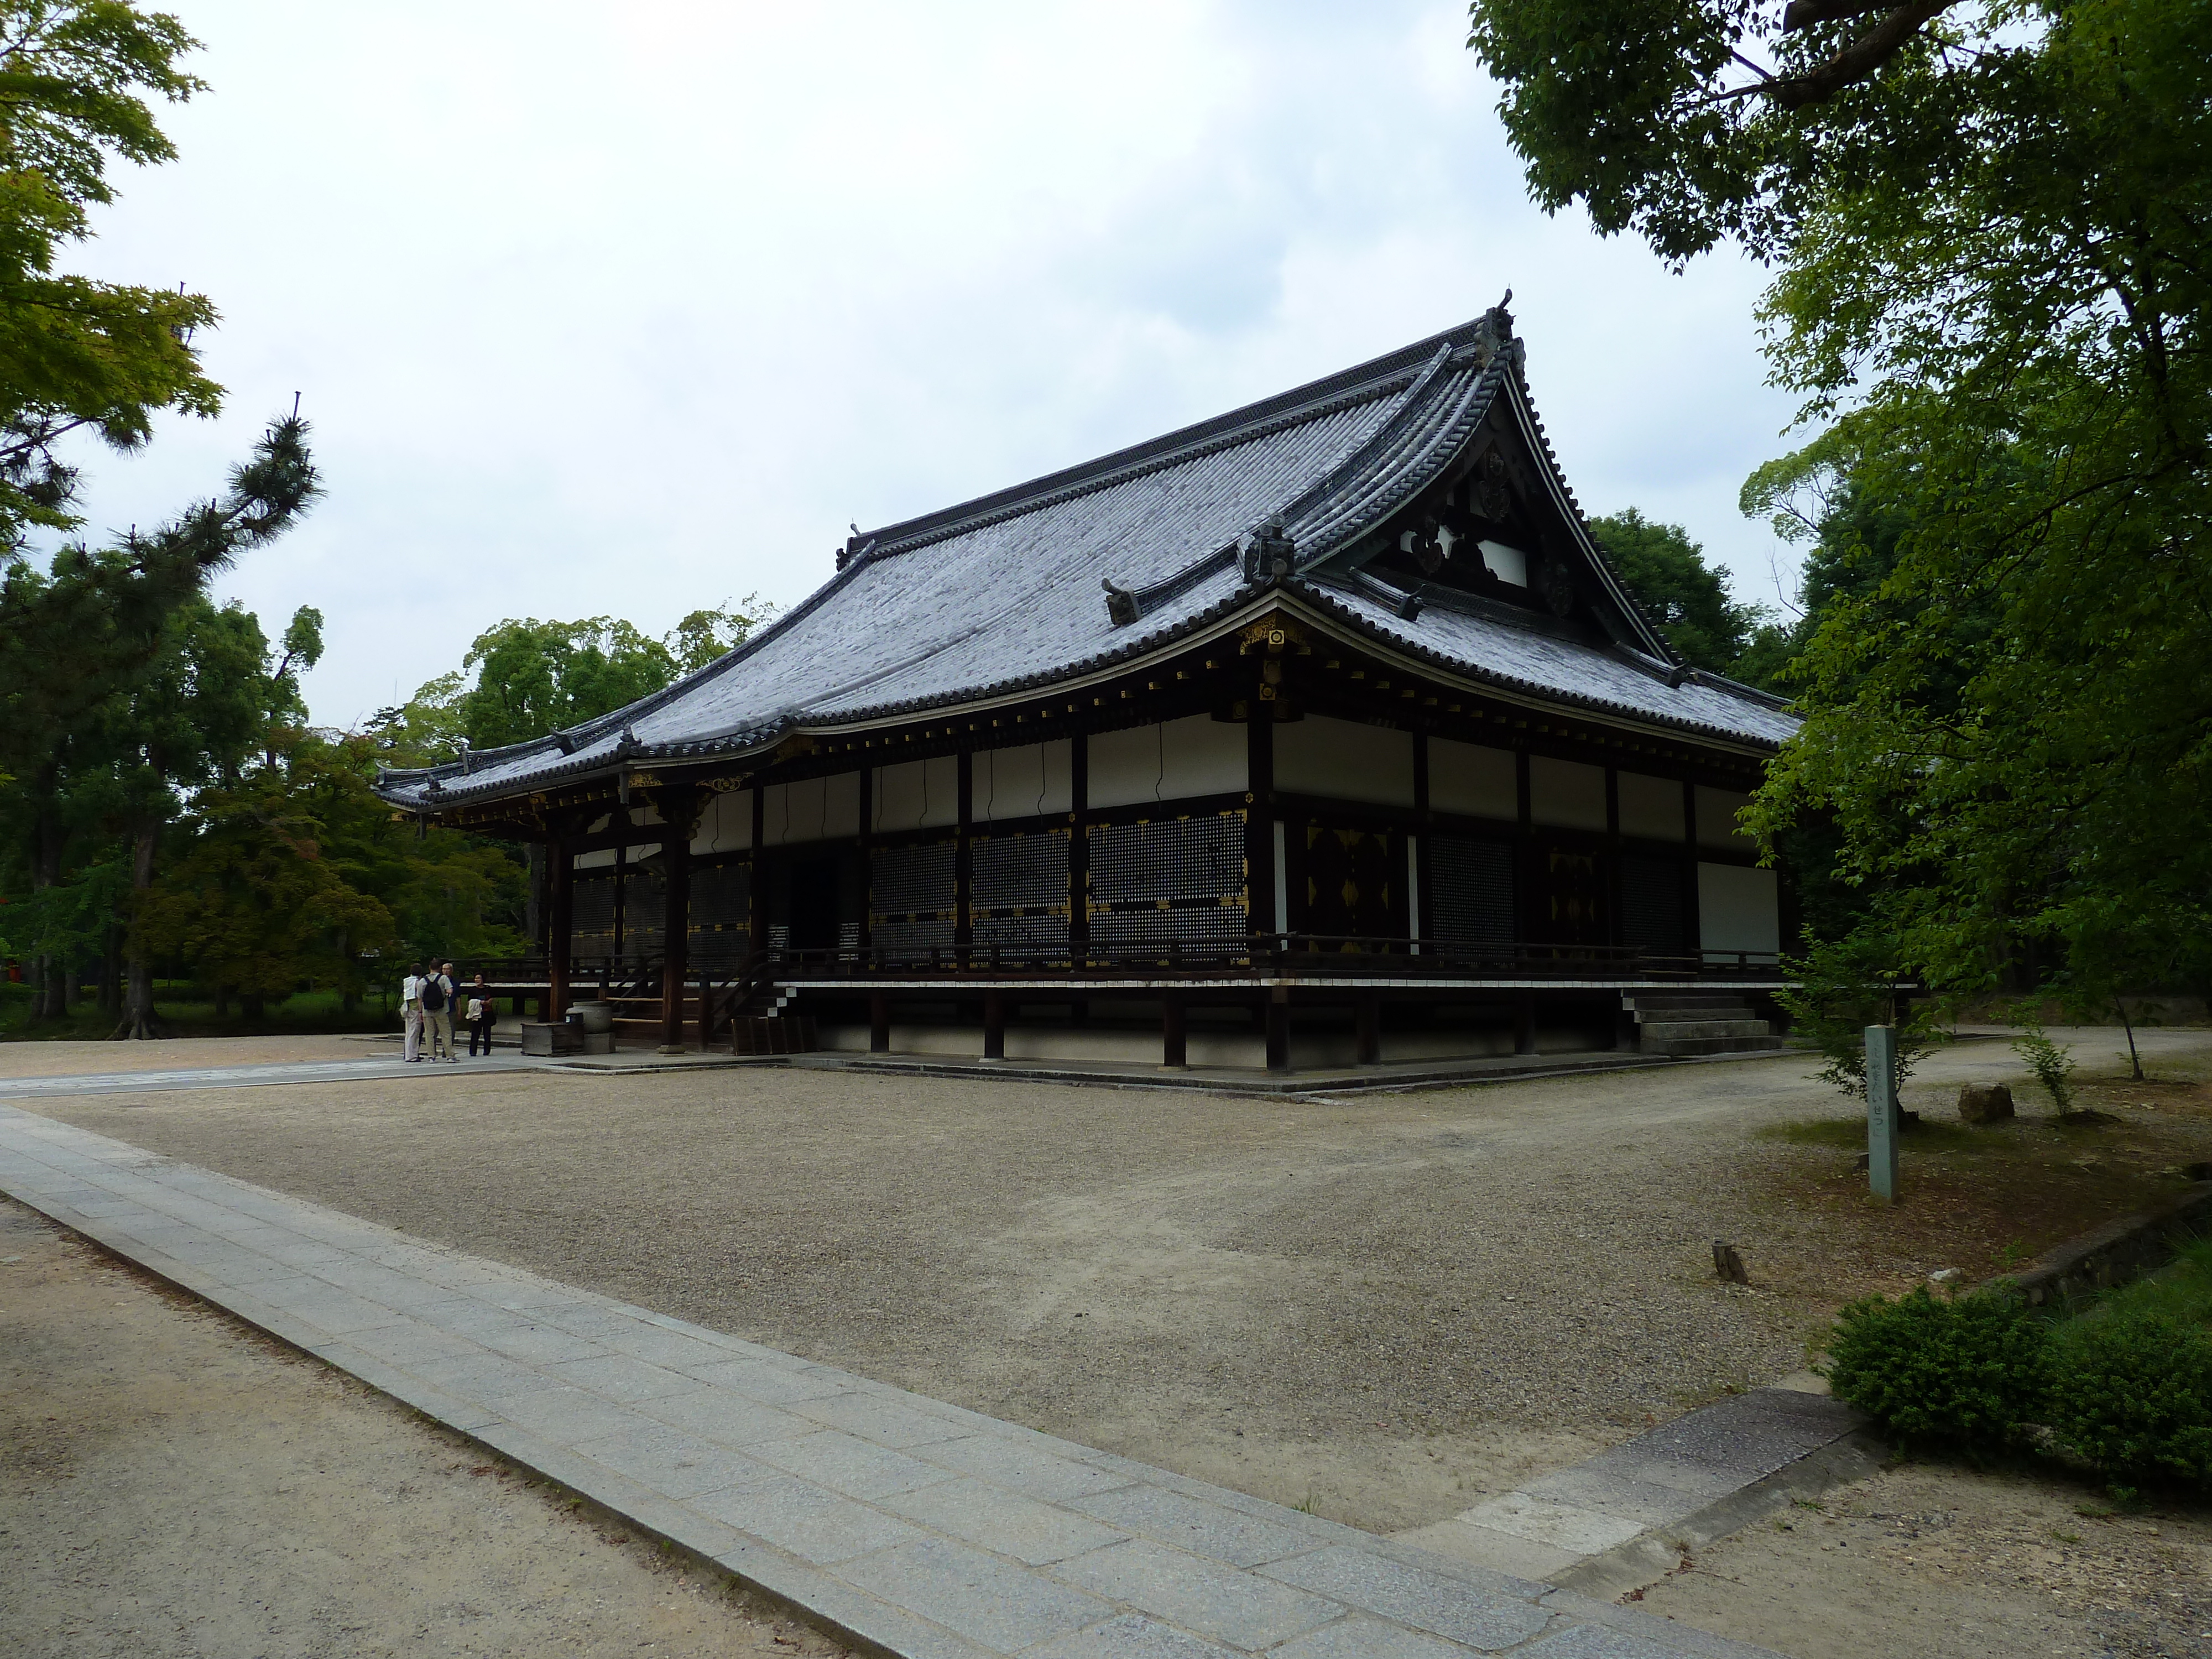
{"x":1173,"y":761}
{"x":917,"y":794}
{"x":1651,"y":807}
{"x":1738,"y":909}
{"x":726,"y":824}
{"x":1473,"y":781}
{"x":602,"y":859}
{"x":1022,"y":783}
{"x":817,"y":809}
{"x":1566,"y":794}
{"x":1344,"y":760}
{"x":1716,"y":811}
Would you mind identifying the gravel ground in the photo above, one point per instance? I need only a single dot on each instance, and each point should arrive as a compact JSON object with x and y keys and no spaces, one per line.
{"x":37,"y":1058}
{"x":175,"y":1486}
{"x":1385,"y":1308}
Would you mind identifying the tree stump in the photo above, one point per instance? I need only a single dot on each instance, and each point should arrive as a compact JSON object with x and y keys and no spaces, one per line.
{"x":1728,"y":1265}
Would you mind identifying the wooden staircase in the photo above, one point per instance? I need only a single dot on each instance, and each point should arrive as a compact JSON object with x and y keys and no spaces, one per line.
{"x":1686,"y":1022}
{"x":747,"y":1011}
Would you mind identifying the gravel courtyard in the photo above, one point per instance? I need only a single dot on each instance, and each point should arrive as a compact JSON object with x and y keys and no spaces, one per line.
{"x":1382,"y":1308}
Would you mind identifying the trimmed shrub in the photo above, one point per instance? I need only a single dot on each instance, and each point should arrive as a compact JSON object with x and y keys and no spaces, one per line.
{"x":1969,"y":1373}
{"x":2132,"y":1393}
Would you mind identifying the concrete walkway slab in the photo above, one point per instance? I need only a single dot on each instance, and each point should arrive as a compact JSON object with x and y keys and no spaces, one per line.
{"x":900,"y":1521}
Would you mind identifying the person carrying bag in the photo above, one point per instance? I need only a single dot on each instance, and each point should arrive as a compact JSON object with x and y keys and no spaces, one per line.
{"x":438,"y":1010}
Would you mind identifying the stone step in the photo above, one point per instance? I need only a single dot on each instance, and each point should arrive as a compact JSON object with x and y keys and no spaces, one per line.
{"x":1666,"y":1030}
{"x":1666,"y":1001}
{"x":1683,"y":1048}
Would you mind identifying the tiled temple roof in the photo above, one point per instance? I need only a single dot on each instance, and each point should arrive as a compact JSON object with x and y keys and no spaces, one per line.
{"x":1008,"y":593}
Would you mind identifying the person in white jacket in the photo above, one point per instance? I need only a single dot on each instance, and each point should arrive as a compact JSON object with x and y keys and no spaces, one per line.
{"x":410,"y":1009}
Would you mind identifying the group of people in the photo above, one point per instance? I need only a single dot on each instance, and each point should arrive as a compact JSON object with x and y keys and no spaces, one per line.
{"x":427,"y":1006}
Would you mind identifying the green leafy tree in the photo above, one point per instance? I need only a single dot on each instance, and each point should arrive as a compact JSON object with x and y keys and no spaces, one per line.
{"x":1687,"y":597}
{"x":253,"y":902}
{"x":1989,"y":228}
{"x":76,"y":354}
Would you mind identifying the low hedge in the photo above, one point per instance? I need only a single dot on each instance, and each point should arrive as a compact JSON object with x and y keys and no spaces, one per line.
{"x":1968,"y":1373}
{"x":2126,"y":1388}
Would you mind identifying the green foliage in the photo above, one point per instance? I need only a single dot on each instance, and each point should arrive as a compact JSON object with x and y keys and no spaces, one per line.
{"x":2052,"y":1063}
{"x":1969,"y":1373}
{"x":2132,"y":1393}
{"x":1839,"y":988}
{"x":254,"y":903}
{"x":1687,"y":597}
{"x":1988,"y":227}
{"x":523,"y":678}
{"x":78,"y":355}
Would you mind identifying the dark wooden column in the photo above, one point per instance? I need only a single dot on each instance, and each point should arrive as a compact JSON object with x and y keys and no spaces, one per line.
{"x":880,"y":1022}
{"x":1277,"y":1017}
{"x":561,"y":890}
{"x":1524,"y":1022}
{"x":1423,"y":907}
{"x":756,"y":875}
{"x":1260,"y":817}
{"x":1173,"y":1044}
{"x":963,"y":877}
{"x":994,"y":1025}
{"x":1079,"y":849}
{"x":1367,"y":1023}
{"x":867,"y":859}
{"x":677,"y":805}
{"x":1694,"y":944}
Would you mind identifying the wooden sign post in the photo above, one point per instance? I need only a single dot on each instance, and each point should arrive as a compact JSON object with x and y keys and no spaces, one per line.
{"x":1882,"y":1119}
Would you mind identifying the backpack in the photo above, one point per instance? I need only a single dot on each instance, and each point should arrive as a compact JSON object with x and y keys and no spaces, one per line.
{"x":434,"y":995}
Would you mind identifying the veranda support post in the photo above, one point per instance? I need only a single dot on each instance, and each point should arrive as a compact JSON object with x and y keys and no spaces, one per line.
{"x":558,"y":921}
{"x":675,"y":810}
{"x":1883,"y":1121}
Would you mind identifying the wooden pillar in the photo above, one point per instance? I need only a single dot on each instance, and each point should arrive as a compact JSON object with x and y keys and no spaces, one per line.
{"x":1420,"y":906}
{"x":1367,"y":1023}
{"x":561,"y":908}
{"x":1524,"y":1022}
{"x":963,"y":875}
{"x":994,"y":1025}
{"x":1694,"y":944}
{"x":1174,"y":1043}
{"x":867,"y":856}
{"x":1079,"y":854}
{"x":1278,"y":1018}
{"x":676,"y":804}
{"x":880,"y":1022}
{"x":757,"y":876}
{"x":1260,"y":818}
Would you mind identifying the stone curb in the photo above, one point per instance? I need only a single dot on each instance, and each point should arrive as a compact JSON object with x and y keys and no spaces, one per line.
{"x":2115,"y":1253}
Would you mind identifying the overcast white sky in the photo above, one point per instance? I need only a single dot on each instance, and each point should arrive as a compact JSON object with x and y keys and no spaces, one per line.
{"x":630,"y":308}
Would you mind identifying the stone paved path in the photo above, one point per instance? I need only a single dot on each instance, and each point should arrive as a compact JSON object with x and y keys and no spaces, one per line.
{"x":376,"y":1067}
{"x":897,"y":1520}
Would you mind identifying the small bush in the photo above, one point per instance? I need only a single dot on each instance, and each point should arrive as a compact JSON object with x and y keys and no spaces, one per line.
{"x":1968,"y":1373}
{"x":2053,"y":1066}
{"x":2132,"y":1393}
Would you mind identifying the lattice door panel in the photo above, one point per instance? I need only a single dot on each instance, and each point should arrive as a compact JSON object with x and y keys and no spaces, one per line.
{"x":645,"y":908}
{"x":1169,"y":881}
{"x":592,"y":916}
{"x":1472,"y":883}
{"x":1651,"y":911}
{"x":1018,"y":895}
{"x":721,"y":913}
{"x":913,"y":893}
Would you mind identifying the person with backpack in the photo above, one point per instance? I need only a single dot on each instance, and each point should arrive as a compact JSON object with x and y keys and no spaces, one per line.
{"x":438,"y":1010}
{"x":410,"y":1011}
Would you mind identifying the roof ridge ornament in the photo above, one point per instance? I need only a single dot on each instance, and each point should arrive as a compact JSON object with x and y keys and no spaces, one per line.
{"x":1120,"y":603}
{"x":1268,"y":553}
{"x":1493,"y":330}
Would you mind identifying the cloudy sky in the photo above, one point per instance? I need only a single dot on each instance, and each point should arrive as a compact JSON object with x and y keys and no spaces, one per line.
{"x":630,"y":308}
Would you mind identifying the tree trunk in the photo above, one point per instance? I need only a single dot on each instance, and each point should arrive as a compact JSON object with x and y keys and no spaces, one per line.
{"x":138,"y":1021}
{"x":46,"y":1001}
{"x":2135,"y":1060}
{"x":253,"y":1006}
{"x":222,"y":1001}
{"x":111,"y":972}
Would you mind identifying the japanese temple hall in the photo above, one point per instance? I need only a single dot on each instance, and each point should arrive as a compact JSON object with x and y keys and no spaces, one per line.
{"x":1318,"y":733}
